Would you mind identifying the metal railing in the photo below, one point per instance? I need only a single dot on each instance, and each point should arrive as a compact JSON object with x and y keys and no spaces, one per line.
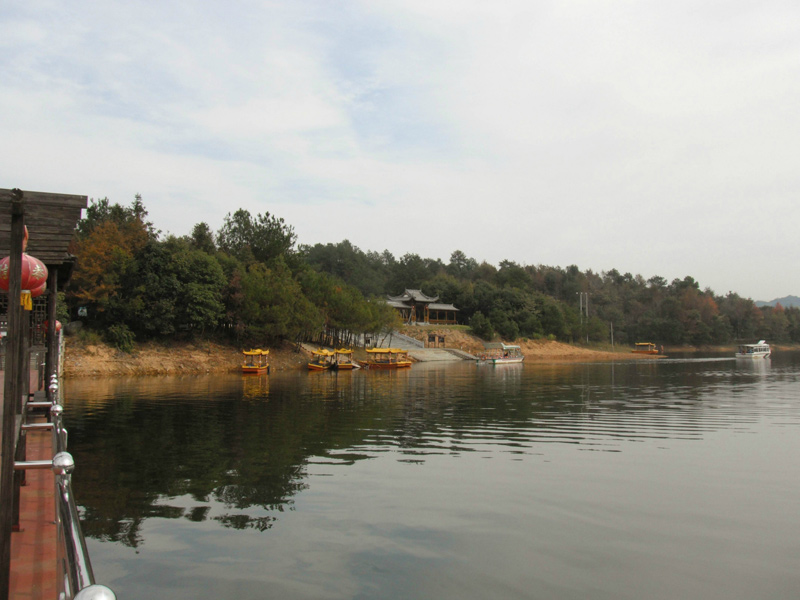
{"x":74,"y":570}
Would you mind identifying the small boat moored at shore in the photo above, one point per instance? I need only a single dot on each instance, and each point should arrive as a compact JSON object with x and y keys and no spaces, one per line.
{"x":386,"y":358}
{"x":645,"y":348}
{"x":321,"y":360}
{"x":343,"y":360}
{"x":759,"y":350}
{"x":255,"y":361}
{"x":500,"y":354}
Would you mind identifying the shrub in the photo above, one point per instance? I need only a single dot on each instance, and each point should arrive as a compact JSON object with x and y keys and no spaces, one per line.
{"x":481,"y":326}
{"x":88,"y":336}
{"x":121,"y":337}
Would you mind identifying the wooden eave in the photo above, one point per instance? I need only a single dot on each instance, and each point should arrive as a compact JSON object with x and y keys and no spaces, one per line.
{"x":51,"y":220}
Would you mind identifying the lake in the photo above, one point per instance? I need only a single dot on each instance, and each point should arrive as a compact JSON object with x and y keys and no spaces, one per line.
{"x":656,"y":479}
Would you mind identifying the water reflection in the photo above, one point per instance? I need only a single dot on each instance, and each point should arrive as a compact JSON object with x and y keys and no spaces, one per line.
{"x":434,"y":443}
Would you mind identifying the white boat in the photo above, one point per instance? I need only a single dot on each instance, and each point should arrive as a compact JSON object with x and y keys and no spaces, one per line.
{"x":500,"y":354}
{"x":759,"y":350}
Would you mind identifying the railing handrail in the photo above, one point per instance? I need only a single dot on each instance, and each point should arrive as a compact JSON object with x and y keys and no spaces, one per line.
{"x":73,"y":555}
{"x":74,"y":562}
{"x":74,"y":568}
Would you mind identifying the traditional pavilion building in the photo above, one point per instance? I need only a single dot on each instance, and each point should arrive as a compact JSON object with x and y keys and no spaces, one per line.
{"x":416,"y":307}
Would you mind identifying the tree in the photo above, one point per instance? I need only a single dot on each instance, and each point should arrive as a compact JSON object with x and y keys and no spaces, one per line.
{"x":481,"y":326}
{"x":105,"y":256}
{"x":408,"y":273}
{"x":273,"y":305}
{"x":365,"y":272}
{"x":553,"y":321}
{"x":202,"y":238}
{"x":102,"y":211}
{"x":460,"y":266}
{"x":262,"y":239}
{"x":512,"y":275}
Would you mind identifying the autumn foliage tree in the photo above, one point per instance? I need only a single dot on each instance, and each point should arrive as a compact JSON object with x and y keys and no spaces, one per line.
{"x":106,"y":248}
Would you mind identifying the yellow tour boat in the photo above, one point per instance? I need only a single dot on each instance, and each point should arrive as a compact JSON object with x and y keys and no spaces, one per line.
{"x":386,"y":358}
{"x":343,"y":360}
{"x":645,"y":348}
{"x":321,"y":360}
{"x":255,"y":361}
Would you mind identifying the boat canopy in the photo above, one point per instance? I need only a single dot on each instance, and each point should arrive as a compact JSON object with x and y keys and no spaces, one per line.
{"x":386,"y":351}
{"x":255,"y":352}
{"x":500,"y":346}
{"x":761,"y":346}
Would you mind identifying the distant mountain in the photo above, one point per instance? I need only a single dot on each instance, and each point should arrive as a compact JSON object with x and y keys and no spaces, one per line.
{"x":785,"y":302}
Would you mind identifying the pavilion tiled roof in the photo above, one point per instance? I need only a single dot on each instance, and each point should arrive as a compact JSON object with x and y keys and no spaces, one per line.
{"x":415,"y":296}
{"x":435,"y":306}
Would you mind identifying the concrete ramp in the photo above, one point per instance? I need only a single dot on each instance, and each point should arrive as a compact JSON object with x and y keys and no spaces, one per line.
{"x":432,"y":354}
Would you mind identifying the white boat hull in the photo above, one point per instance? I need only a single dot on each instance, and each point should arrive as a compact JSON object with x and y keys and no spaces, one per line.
{"x":503,"y":361}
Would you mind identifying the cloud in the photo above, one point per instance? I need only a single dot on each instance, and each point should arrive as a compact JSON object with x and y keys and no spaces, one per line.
{"x":555,"y":133}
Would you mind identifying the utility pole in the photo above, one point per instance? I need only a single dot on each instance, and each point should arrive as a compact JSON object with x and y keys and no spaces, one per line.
{"x":587,"y":317}
{"x":583,"y":303}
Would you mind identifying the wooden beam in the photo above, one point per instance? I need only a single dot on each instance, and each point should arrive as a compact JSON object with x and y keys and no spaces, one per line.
{"x":43,"y":198}
{"x":11,"y":394}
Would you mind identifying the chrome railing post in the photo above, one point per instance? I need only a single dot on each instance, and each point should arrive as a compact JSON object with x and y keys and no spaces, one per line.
{"x":95,"y":592}
{"x":76,"y":558}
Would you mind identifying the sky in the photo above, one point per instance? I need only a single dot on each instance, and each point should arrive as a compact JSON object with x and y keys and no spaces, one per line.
{"x":655,"y":138}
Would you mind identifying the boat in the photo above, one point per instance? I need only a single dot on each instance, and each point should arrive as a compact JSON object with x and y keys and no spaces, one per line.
{"x":645,"y":348}
{"x":386,"y":358}
{"x":500,"y":354}
{"x":255,"y":361}
{"x":321,"y":360}
{"x":759,"y":350}
{"x":343,"y":360}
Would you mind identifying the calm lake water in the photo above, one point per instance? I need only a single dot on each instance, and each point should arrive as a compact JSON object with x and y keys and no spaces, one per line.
{"x":668,"y":479}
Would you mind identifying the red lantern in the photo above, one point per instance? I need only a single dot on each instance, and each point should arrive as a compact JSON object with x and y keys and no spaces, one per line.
{"x":58,"y":325}
{"x":34,"y":275}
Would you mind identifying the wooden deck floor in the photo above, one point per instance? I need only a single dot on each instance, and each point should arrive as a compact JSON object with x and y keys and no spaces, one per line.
{"x":33,"y":548}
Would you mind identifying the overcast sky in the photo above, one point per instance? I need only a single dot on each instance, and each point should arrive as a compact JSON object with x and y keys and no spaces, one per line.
{"x":654,"y":137}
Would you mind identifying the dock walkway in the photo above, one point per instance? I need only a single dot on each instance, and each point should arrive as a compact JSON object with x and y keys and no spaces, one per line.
{"x":33,"y":547}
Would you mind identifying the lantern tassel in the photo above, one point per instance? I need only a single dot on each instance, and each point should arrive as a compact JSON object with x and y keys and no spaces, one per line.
{"x":25,"y":300}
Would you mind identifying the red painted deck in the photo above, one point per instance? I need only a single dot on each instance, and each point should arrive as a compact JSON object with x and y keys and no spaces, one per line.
{"x":33,"y":548}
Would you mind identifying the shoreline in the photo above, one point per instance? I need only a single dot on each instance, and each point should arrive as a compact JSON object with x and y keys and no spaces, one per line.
{"x":83,"y":360}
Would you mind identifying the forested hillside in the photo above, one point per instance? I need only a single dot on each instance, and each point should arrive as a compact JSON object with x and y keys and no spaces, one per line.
{"x":515,"y":300}
{"x":250,"y":282}
{"x":247,"y":282}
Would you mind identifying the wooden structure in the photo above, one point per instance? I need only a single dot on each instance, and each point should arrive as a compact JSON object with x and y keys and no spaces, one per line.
{"x":416,"y":307}
{"x":51,"y":220}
